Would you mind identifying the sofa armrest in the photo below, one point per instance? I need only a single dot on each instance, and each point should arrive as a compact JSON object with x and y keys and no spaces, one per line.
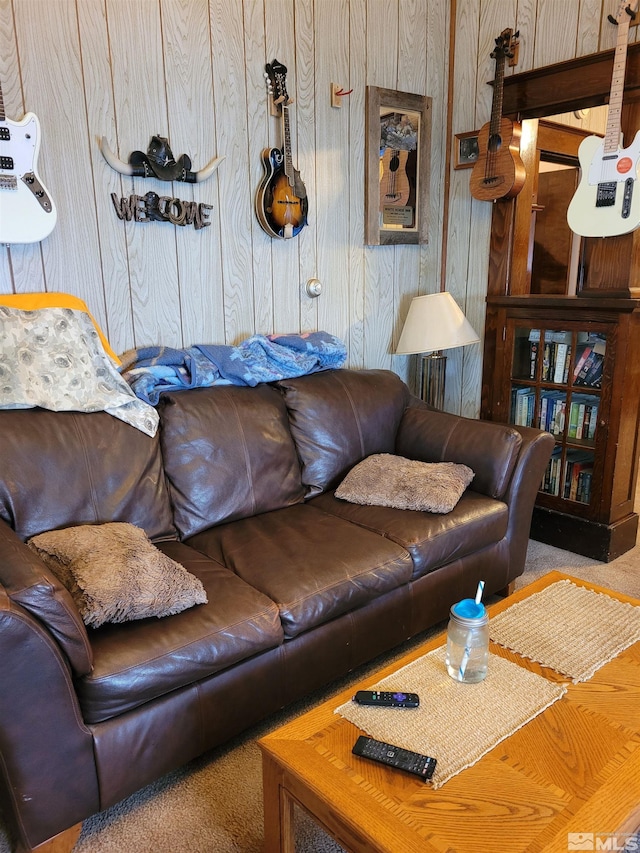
{"x":48,"y":778}
{"x":509,"y":463}
{"x":489,"y":449}
{"x":29,"y":583}
{"x":521,"y":495}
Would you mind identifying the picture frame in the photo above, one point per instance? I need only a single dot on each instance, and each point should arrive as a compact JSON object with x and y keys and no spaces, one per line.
{"x":466,"y":150}
{"x":397,"y":167}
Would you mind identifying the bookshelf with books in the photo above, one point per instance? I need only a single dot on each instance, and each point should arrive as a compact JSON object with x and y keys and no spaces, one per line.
{"x":542,"y":276}
{"x":576,"y":375}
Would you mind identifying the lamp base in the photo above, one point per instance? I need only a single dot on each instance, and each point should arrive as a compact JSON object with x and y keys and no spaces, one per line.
{"x":434,"y":368}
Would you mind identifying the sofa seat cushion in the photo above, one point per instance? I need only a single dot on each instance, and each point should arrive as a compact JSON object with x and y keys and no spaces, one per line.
{"x":314,"y":565}
{"x":228,"y":454}
{"x":433,"y":540}
{"x":135,"y":662}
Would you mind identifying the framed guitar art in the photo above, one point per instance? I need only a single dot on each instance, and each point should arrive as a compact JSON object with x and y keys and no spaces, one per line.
{"x":398,"y":142}
{"x":466,"y":150}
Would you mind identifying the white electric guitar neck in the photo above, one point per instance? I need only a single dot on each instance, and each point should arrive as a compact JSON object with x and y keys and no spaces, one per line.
{"x":27,"y":212}
{"x":607,"y":200}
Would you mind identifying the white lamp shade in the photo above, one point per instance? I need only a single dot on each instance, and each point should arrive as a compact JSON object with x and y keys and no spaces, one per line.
{"x":435,"y":322}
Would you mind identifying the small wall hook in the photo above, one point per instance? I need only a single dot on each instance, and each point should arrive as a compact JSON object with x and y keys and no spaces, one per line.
{"x":338,"y":92}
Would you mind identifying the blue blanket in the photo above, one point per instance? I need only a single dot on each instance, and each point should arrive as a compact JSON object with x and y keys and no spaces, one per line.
{"x":261,"y":358}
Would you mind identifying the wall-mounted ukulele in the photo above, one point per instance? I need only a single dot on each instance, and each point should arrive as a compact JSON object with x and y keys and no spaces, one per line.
{"x":281,"y":199}
{"x":606,"y":202}
{"x":499,"y":171}
{"x":27,"y":213}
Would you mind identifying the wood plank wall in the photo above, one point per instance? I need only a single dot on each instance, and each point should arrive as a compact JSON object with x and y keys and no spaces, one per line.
{"x":192,"y":70}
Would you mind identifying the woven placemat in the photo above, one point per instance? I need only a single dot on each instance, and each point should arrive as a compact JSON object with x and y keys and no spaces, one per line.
{"x":456,"y":723}
{"x":568,"y":628}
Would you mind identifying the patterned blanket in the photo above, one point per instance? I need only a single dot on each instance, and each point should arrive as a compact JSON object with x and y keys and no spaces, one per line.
{"x":54,"y":358}
{"x":261,"y":358}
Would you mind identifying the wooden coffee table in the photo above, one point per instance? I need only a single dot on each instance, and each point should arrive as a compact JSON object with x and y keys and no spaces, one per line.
{"x":575,"y":768}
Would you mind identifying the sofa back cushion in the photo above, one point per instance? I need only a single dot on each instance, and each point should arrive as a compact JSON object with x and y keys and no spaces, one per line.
{"x":340,"y":416}
{"x":61,"y":469}
{"x":228,"y":454}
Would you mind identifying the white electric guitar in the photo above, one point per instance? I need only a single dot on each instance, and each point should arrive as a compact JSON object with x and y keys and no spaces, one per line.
{"x":607,"y":200}
{"x":27,"y":212}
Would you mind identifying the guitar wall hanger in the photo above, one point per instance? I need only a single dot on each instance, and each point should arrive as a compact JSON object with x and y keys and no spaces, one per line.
{"x":159,"y":163}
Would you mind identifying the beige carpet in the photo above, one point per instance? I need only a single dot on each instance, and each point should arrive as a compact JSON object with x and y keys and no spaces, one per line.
{"x":214,"y":805}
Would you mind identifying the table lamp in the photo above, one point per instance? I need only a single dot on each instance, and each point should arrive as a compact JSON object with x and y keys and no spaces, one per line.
{"x":434,"y":323}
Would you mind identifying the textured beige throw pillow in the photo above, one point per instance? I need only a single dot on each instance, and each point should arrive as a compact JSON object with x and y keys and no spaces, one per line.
{"x":387,"y":480}
{"x":115,"y":574}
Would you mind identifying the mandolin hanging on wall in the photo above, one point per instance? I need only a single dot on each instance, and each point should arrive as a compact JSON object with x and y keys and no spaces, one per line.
{"x":499,"y":171}
{"x":281,"y":198}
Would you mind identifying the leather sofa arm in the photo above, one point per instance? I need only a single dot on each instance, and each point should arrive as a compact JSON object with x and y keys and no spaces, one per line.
{"x":521,"y":495}
{"x":29,"y":583}
{"x":48,"y":779}
{"x":509,"y":463}
{"x":490,"y":449}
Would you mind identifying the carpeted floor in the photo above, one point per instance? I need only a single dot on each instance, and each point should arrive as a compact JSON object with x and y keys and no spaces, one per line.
{"x":214,"y":805}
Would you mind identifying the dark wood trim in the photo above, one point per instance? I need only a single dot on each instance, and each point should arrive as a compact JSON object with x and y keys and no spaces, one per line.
{"x":448,"y":145}
{"x":570,"y":85}
{"x":570,"y":303}
{"x":602,"y":542}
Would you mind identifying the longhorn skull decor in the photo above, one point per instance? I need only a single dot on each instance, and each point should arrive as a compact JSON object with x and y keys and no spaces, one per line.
{"x":159,"y":163}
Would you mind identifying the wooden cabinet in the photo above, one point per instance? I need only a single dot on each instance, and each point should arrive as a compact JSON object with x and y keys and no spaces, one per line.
{"x":571,"y":365}
{"x":554,"y":301}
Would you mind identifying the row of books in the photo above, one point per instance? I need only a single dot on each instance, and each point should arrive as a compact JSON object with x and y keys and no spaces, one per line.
{"x":557,"y":358}
{"x":552,"y":414}
{"x":523,"y":401}
{"x":572,"y":481}
{"x":589,"y":364}
{"x":583,"y":416}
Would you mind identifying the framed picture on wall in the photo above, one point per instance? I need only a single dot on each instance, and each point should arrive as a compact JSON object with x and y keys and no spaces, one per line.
{"x":466,"y":150}
{"x":398,"y":144}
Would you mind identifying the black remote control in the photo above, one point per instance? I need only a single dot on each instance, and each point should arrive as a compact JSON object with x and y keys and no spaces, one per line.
{"x":387,"y":698}
{"x":394,"y":756}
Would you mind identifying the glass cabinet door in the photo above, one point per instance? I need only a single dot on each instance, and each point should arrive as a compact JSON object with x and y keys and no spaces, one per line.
{"x":556,"y":379}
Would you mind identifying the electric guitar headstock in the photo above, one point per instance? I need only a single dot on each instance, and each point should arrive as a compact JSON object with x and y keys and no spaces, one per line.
{"x":276,"y":77}
{"x":627,"y":8}
{"x":507,"y":46}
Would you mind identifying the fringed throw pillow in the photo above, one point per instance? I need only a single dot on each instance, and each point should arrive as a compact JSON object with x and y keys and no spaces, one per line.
{"x":387,"y":480}
{"x":115,"y":574}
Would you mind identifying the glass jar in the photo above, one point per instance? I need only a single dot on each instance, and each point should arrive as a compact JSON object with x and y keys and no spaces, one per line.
{"x":468,"y":642}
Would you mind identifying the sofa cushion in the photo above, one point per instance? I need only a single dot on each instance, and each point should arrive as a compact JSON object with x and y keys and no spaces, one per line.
{"x":228,"y":454}
{"x":30,"y":584}
{"x":115,"y":574}
{"x":339,"y":417}
{"x":135,"y":662}
{"x":433,"y":540}
{"x":488,"y":448}
{"x":313,"y":565}
{"x":61,"y":469}
{"x":388,"y":480}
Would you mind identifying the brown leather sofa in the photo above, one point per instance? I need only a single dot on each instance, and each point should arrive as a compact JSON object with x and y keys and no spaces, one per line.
{"x":302,"y":587}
